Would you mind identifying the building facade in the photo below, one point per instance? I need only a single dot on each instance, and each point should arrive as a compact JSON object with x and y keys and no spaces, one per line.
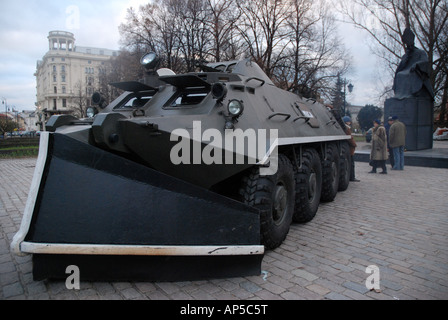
{"x":68,"y":75}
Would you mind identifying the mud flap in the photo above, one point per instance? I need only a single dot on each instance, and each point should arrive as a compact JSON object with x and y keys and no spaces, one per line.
{"x":118,"y":220}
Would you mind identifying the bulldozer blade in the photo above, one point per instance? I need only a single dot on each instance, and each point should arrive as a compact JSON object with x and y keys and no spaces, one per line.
{"x":118,"y":220}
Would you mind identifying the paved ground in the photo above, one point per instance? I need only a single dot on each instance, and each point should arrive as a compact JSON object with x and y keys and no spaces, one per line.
{"x":397,"y":222}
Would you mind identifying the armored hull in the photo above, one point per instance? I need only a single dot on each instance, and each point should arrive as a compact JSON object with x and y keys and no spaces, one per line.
{"x":182,"y":177}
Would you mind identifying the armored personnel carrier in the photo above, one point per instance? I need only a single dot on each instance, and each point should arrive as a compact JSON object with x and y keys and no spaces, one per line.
{"x":185,"y":176}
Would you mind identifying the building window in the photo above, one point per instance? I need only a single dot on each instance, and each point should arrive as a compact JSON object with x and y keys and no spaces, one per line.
{"x":89,"y":62}
{"x":55,"y":90}
{"x":63,"y":89}
{"x":54,"y":78}
{"x":63,"y":59}
{"x":54,"y":68}
{"x":55,"y":104}
{"x":63,"y":68}
{"x":63,"y":77}
{"x":64,"y":103}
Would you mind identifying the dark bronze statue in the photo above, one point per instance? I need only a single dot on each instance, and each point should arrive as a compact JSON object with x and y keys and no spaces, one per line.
{"x":412,"y":75}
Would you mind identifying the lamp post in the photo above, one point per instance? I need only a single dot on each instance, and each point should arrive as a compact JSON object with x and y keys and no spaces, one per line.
{"x":5,"y":102}
{"x":350,"y":89}
{"x":6,"y":105}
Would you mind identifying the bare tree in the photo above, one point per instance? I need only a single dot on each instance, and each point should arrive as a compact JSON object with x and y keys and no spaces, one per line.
{"x":80,"y":100}
{"x":293,"y":41}
{"x":385,"y":22}
{"x":315,"y":55}
{"x":263,"y":27}
{"x":221,"y":23}
{"x":191,"y":33}
{"x":138,"y":33}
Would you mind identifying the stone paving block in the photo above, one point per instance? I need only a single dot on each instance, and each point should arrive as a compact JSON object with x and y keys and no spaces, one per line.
{"x":361,"y":288}
{"x":318,"y":289}
{"x":12,"y":290}
{"x":305,"y":275}
{"x":322,"y":259}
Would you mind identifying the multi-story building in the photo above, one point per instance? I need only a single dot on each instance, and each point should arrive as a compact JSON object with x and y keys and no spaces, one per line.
{"x":68,"y":75}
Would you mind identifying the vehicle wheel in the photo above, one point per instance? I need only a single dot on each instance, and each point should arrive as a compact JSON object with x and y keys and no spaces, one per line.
{"x":274,"y":196}
{"x":330,"y":173}
{"x":345,"y":167}
{"x":308,"y":181}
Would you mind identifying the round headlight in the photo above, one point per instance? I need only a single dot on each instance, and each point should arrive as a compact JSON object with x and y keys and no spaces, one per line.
{"x":91,"y":112}
{"x":235,"y":108}
{"x":149,"y":60}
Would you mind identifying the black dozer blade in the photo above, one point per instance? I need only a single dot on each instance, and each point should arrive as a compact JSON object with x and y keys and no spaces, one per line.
{"x":118,"y":220}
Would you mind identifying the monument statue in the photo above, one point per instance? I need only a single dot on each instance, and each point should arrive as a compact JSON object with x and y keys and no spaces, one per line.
{"x":412,"y":75}
{"x":413,"y":102}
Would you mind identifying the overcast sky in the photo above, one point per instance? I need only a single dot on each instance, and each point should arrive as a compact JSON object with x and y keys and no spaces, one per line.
{"x":25,"y":24}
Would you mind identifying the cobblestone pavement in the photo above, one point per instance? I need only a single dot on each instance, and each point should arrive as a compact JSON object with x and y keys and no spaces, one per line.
{"x":397,"y":222}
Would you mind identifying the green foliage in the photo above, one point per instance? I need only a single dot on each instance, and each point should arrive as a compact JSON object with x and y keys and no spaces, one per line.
{"x":7,"y":125}
{"x":367,"y":115}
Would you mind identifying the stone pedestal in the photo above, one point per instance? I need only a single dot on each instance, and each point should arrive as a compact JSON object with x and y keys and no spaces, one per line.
{"x":418,"y":116}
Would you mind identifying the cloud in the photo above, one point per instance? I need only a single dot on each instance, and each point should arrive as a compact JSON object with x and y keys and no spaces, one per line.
{"x":364,"y":66}
{"x":24,"y":28}
{"x":25,"y":24}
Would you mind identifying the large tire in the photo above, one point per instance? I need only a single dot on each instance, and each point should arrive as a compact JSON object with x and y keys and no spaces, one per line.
{"x":345,"y":167}
{"x":308,"y":186}
{"x":273,"y":195}
{"x":330,"y":173}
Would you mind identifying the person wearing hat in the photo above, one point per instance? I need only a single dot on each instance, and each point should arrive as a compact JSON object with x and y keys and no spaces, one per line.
{"x":348,"y":122}
{"x":397,"y":140}
{"x":389,"y":149}
{"x":378,"y":155}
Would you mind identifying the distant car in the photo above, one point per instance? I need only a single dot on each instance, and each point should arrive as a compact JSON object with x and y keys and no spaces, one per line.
{"x":369,"y":135}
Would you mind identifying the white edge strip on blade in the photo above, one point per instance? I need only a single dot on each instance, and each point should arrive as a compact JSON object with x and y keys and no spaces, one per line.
{"x":140,"y":250}
{"x":19,"y":237}
{"x":298,"y":140}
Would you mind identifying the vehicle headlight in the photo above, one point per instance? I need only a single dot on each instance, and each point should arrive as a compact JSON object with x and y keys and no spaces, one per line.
{"x":149,"y":60}
{"x":235,"y":108}
{"x":91,"y":112}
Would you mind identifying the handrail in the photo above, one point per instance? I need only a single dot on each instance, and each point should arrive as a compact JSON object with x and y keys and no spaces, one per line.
{"x":307,"y":119}
{"x":280,"y":114}
{"x":258,"y":79}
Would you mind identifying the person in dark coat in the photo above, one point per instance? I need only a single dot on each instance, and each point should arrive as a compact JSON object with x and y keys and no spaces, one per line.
{"x":389,"y":148}
{"x":397,"y":140}
{"x":378,"y":155}
{"x":352,"y":143}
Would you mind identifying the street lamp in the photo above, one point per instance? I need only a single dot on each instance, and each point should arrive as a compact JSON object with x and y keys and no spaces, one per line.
{"x":6,"y":105}
{"x":350,"y":89}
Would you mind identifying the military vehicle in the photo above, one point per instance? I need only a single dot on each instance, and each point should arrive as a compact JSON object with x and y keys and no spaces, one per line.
{"x":186,"y":176}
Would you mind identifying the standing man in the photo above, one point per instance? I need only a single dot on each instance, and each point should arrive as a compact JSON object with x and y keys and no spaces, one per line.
{"x":378,"y":154}
{"x":348,"y":122}
{"x":397,"y":139}
{"x":389,"y":149}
